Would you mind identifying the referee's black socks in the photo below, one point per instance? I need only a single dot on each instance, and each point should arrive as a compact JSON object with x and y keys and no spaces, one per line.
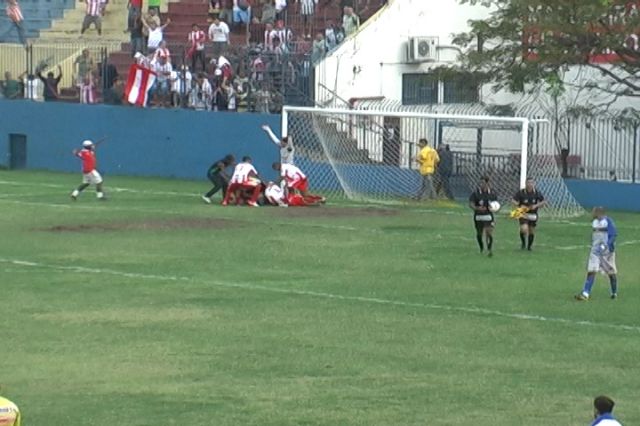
{"x":480,"y":243}
{"x":522,"y":239}
{"x":490,"y":242}
{"x":531,"y":238}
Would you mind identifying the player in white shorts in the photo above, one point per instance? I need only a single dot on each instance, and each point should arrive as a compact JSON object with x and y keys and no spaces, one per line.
{"x":602,"y":256}
{"x":90,"y":176}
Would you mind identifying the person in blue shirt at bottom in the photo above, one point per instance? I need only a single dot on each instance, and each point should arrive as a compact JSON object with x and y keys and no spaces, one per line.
{"x":603,"y":406}
{"x":602,"y":257}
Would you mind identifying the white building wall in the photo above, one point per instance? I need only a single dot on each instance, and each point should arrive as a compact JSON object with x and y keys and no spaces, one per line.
{"x":372,"y":62}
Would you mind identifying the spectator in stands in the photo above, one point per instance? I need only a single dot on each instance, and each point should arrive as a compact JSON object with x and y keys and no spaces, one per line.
{"x":269,"y":33}
{"x":154,"y":5}
{"x":330,"y":36}
{"x":224,"y":9}
{"x":196,"y":39}
{"x":202,"y":94}
{"x":241,"y":12}
{"x":319,"y":49}
{"x":14,"y":13}
{"x":307,"y":10}
{"x":263,"y":99}
{"x":134,"y":8}
{"x":242,"y":89}
{"x":268,"y":13}
{"x":151,"y":16}
{"x":156,"y":34}
{"x":114,"y":94}
{"x":225,"y":69}
{"x":180,"y":86}
{"x":350,"y":21}
{"x":88,"y":93}
{"x":219,"y":36}
{"x":161,"y":87}
{"x":31,"y":86}
{"x":108,"y":75}
{"x":137,"y":35}
{"x":10,"y":87}
{"x":162,"y":50}
{"x":93,"y":15}
{"x":281,"y":6}
{"x":220,"y":101}
{"x":51,"y":85}
{"x":83,"y":65}
{"x":284,"y":34}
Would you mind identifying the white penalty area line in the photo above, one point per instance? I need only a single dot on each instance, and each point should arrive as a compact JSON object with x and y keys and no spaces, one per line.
{"x":315,"y":294}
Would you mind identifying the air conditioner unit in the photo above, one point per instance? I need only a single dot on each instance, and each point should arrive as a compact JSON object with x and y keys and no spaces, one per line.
{"x":423,"y":49}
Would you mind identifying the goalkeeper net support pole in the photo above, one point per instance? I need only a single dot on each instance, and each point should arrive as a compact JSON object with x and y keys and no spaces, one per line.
{"x":370,"y":155}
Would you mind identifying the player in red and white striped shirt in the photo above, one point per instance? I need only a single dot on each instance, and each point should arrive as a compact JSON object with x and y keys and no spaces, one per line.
{"x":245,"y":179}
{"x":297,"y":182}
{"x":17,"y":19}
{"x":197,"y":38}
{"x":90,"y":176}
{"x":93,"y":15}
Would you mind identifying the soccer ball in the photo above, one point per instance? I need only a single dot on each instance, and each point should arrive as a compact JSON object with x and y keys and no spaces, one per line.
{"x":494,"y":207}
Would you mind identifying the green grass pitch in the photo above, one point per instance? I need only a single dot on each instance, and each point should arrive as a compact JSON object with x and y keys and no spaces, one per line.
{"x":155,"y":309}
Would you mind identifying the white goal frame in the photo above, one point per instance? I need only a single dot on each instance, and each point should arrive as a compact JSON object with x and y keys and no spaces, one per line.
{"x":523,"y":122}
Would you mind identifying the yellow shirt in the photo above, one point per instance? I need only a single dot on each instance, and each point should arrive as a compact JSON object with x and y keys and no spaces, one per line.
{"x":9,"y":413}
{"x":428,"y":159}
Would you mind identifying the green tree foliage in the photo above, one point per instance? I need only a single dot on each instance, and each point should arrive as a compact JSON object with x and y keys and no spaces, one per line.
{"x":526,"y":45}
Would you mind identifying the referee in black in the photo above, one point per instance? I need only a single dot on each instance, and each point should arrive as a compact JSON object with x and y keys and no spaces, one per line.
{"x":482,"y":216}
{"x":218,"y":176}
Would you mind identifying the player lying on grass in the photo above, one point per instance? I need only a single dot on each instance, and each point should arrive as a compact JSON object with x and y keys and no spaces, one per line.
{"x":602,"y":256}
{"x":483,"y":218}
{"x":90,"y":176}
{"x":279,"y":195}
{"x":245,"y":179}
{"x":297,"y":182}
{"x":528,"y":201}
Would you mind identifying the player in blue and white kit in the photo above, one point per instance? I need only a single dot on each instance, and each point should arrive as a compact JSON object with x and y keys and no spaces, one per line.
{"x":602,"y":257}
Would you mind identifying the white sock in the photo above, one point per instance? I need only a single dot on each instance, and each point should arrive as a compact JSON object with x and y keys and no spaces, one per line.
{"x":75,"y":193}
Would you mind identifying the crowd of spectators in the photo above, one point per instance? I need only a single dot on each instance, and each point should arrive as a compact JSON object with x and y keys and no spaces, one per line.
{"x":206,"y":71}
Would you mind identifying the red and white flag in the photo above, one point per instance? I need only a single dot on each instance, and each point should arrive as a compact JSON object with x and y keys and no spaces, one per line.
{"x":138,"y":84}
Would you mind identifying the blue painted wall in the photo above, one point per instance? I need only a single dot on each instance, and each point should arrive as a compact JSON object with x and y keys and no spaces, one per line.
{"x":612,"y":195}
{"x":141,"y":142}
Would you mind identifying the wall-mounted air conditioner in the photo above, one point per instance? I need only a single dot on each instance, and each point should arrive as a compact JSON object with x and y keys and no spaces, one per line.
{"x":422,"y":49}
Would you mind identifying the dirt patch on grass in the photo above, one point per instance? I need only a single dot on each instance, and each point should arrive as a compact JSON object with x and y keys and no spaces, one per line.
{"x":169,"y":224}
{"x":324,"y":211}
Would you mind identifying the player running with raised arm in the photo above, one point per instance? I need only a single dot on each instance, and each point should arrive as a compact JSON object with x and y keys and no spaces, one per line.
{"x":285,"y":144}
{"x":245,"y":178}
{"x":217,"y":174}
{"x":482,"y":216}
{"x":602,"y":257}
{"x":297,"y":183}
{"x":90,"y":176}
{"x":528,"y":201}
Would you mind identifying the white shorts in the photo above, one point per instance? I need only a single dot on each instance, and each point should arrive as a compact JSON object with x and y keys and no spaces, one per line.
{"x":92,"y":178}
{"x":605,"y":263}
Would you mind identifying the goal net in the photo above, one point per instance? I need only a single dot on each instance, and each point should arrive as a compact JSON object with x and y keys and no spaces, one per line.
{"x":370,"y":155}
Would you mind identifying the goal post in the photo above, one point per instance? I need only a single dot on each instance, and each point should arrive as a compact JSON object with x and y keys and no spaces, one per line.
{"x":369,"y":155}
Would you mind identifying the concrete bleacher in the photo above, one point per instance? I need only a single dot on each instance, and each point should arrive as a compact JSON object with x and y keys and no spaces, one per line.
{"x":38,"y":15}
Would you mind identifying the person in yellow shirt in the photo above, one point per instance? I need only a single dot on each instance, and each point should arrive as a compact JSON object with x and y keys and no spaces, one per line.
{"x":428,"y":160}
{"x":9,"y":413}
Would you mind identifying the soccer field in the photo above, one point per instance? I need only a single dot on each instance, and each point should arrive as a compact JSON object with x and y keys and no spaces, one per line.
{"x":155,"y":309}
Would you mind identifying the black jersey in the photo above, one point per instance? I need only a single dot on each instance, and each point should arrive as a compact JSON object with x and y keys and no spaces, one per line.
{"x":528,"y":199}
{"x":482,"y":198}
{"x":215,"y":167}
